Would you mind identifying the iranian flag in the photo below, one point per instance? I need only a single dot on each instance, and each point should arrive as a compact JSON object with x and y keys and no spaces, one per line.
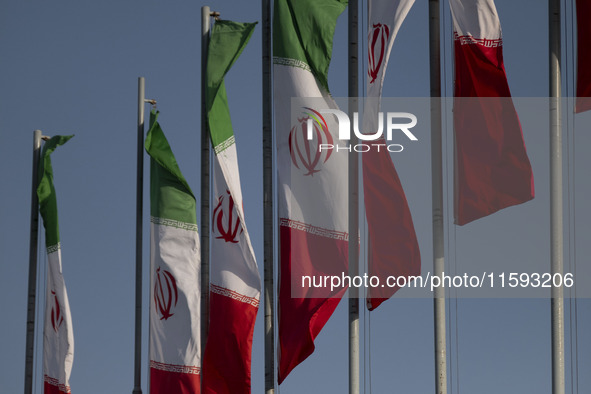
{"x":393,"y":245}
{"x":175,"y":365}
{"x":583,"y":56}
{"x":492,"y":170}
{"x":58,"y":337}
{"x":312,"y":183}
{"x":235,"y":284}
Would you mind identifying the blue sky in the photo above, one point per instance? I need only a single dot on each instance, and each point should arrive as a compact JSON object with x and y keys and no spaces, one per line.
{"x":71,"y":67}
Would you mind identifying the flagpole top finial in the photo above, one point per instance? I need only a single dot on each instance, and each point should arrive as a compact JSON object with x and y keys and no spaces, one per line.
{"x":151,"y":101}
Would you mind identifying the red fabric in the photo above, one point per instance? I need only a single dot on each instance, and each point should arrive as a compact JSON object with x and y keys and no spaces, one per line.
{"x":49,"y":388}
{"x":583,"y":56}
{"x":228,"y":353}
{"x":492,"y":170}
{"x":301,"y":317}
{"x":393,"y":245}
{"x":166,"y":382}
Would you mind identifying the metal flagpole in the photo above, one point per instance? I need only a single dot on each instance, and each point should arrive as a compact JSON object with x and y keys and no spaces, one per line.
{"x":32,"y":294}
{"x":205,"y":28}
{"x":556,"y":218}
{"x":353,"y":91}
{"x":269,"y":272}
{"x":137,"y":383}
{"x":141,"y":101}
{"x":437,"y":203}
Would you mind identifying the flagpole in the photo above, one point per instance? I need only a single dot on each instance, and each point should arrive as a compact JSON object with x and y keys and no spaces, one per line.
{"x":32,"y":293}
{"x":556,"y":219}
{"x":353,"y":92}
{"x":269,"y":271}
{"x":137,"y":383}
{"x":437,"y":198}
{"x":205,"y":151}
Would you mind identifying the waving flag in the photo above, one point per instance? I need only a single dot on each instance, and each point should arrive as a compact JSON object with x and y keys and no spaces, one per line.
{"x":491,"y":166}
{"x":235,"y":284}
{"x":175,"y":366}
{"x":393,"y":246}
{"x":384,"y":21}
{"x":583,"y":56}
{"x":312,"y":184}
{"x":58,"y":337}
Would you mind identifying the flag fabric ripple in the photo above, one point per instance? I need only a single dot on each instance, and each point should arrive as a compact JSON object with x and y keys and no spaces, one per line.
{"x":235,"y":283}
{"x":175,"y":296}
{"x":393,"y":245}
{"x":492,"y":169}
{"x":312,"y":184}
{"x":58,"y":336}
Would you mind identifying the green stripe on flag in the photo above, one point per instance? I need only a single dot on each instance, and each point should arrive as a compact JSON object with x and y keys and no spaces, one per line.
{"x":170,"y":195}
{"x":46,"y":191}
{"x":227,"y":42}
{"x":303,"y":31}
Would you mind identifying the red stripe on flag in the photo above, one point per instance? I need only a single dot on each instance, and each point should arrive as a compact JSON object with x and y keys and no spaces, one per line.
{"x":394,"y":249}
{"x":301,"y":317}
{"x":50,"y":389}
{"x":227,"y":355}
{"x":583,"y":56}
{"x":53,"y":386}
{"x":492,"y":170}
{"x":167,"y":382}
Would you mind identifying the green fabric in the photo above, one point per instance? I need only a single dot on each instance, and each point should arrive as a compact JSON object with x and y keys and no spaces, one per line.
{"x":46,"y":191}
{"x":227,"y":42}
{"x":170,"y":195}
{"x":303,"y":31}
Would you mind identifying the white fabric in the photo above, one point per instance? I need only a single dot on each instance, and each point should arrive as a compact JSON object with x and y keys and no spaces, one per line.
{"x":476,"y":18}
{"x":320,"y":199}
{"x":233,"y":263}
{"x":176,"y":340}
{"x":391,"y":14}
{"x":380,"y":13}
{"x":58,"y":337}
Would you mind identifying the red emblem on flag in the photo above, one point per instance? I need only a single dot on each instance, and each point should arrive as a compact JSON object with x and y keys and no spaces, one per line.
{"x":56,"y":313}
{"x":165,"y":293}
{"x":226,"y":226}
{"x":306,"y":152}
{"x":378,"y":39}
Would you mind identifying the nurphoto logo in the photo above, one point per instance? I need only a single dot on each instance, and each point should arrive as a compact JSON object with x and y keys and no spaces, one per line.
{"x":396,"y":123}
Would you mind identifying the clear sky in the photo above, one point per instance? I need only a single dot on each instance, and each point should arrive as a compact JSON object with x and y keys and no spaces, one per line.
{"x":71,"y":67}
